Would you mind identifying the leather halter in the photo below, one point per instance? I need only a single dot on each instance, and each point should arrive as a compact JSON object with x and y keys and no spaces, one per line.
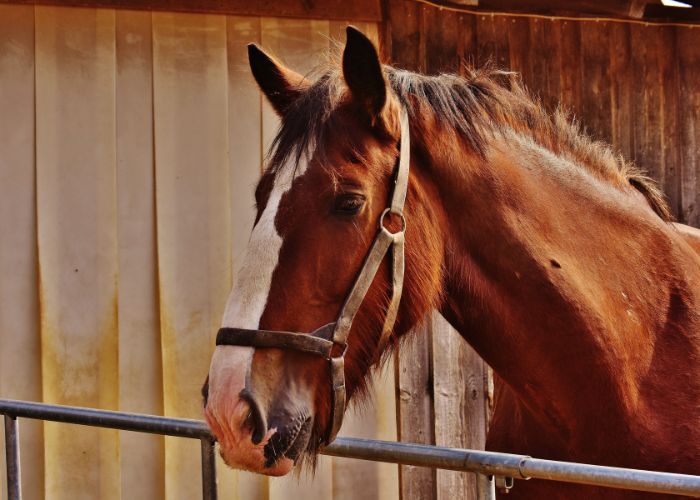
{"x":321,"y":341}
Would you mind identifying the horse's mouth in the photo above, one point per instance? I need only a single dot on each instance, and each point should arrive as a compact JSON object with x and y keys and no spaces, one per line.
{"x":289,"y":443}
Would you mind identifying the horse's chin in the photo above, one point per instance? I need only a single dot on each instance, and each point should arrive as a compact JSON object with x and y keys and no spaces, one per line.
{"x":281,"y":468}
{"x":255,"y":462}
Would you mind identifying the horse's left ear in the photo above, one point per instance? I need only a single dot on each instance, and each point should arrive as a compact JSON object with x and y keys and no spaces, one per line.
{"x":281,"y":85}
{"x":363,"y":73}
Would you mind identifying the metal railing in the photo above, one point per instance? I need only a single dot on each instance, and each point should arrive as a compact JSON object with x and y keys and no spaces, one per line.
{"x":485,"y":464}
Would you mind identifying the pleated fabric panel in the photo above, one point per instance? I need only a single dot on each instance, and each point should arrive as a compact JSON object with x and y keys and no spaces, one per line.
{"x":130,"y":146}
{"x":77,"y":242}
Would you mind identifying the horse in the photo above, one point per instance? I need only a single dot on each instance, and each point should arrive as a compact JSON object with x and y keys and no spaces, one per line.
{"x":553,"y":257}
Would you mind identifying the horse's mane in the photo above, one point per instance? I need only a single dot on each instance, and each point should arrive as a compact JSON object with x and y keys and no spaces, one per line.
{"x":484,"y":103}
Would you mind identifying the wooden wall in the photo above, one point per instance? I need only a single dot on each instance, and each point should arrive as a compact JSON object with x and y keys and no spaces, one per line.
{"x":129,"y":143}
{"x":634,"y":85}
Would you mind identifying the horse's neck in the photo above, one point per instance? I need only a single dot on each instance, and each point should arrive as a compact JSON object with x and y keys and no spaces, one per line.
{"x":562,"y":282}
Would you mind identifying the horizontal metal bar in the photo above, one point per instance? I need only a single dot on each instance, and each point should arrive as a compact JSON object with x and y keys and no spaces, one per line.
{"x":516,"y":466}
{"x":104,"y":418}
{"x":484,"y":462}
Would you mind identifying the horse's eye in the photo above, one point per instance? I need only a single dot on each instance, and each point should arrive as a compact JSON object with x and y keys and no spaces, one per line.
{"x":348,"y":204}
{"x":354,"y":158}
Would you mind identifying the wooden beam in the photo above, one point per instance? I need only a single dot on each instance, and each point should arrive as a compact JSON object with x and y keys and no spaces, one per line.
{"x":357,"y":10}
{"x":636,"y":8}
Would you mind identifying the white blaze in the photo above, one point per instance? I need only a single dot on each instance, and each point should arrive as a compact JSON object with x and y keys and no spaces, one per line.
{"x":225,"y":411}
{"x":248,"y":297}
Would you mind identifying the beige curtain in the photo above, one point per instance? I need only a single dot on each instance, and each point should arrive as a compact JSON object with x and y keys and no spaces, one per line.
{"x":130,"y":143}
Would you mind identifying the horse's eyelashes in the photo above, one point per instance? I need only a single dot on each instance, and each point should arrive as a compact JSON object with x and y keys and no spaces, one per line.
{"x":348,"y":204}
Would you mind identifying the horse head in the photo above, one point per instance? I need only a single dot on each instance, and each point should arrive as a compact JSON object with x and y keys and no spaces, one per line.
{"x":326,"y":197}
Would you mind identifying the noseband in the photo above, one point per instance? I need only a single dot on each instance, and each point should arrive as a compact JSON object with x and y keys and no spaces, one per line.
{"x":322,"y":341}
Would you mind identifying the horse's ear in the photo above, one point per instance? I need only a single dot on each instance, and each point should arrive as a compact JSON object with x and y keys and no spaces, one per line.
{"x":280,"y":85}
{"x":363,"y":73}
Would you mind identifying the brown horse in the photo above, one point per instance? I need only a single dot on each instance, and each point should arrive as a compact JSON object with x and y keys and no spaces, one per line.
{"x":555,"y":259}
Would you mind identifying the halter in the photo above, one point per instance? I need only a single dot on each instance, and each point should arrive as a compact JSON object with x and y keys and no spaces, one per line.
{"x":321,"y":341}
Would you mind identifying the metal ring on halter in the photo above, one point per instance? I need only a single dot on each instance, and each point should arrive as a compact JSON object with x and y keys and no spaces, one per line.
{"x":399,"y":215}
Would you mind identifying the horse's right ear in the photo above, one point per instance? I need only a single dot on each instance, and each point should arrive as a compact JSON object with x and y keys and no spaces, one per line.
{"x":280,"y":85}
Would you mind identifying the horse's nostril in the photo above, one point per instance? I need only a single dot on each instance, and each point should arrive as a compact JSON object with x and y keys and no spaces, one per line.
{"x":255,"y":420}
{"x":205,"y":391}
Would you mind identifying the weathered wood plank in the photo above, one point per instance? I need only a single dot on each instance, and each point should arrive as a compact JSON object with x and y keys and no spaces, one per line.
{"x":550,"y":52}
{"x":536,"y":60}
{"x":403,"y":33}
{"x":595,"y":67}
{"x":518,"y":33}
{"x":646,"y":101}
{"x":460,"y":403}
{"x":414,"y":379}
{"x":492,"y":42}
{"x":688,"y":53}
{"x":571,"y":76}
{"x":668,"y":133}
{"x":466,"y":45}
{"x":620,"y":91}
{"x":441,"y":34}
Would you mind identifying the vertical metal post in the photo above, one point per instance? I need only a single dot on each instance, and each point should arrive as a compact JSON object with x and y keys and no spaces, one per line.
{"x":208,"y":469}
{"x":485,"y":487}
{"x":14,"y":488}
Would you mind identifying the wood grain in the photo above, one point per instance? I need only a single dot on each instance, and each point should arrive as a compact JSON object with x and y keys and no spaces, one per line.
{"x":595,"y":74}
{"x":415,"y":414}
{"x":492,"y":42}
{"x":620,"y":91}
{"x":688,"y":53}
{"x":571,"y":77}
{"x":441,"y":35}
{"x":519,"y":47}
{"x":403,"y":33}
{"x":669,"y":133}
{"x":460,"y":402}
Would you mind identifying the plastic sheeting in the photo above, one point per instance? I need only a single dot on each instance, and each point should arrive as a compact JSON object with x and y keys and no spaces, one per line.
{"x":130,"y":143}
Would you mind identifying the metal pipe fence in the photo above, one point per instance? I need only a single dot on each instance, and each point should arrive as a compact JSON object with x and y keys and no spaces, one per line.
{"x":486,"y":464}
